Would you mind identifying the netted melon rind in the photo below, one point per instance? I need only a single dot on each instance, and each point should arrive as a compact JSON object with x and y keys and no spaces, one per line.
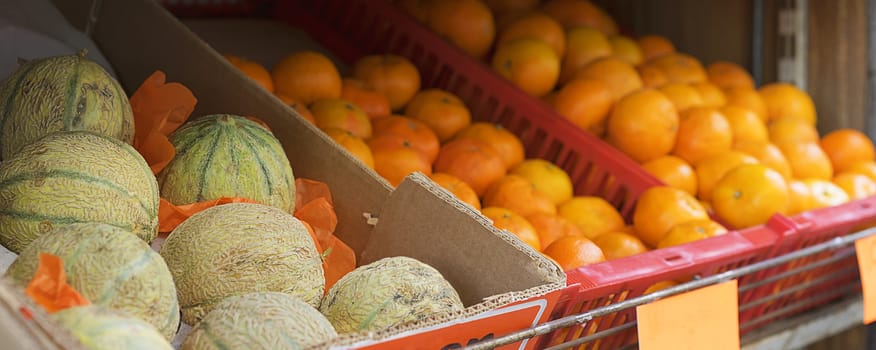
{"x":238,"y":248}
{"x":110,"y":267}
{"x":387,"y":293}
{"x":75,"y":176}
{"x":100,"y":328}
{"x":225,"y":155}
{"x":260,"y":320}
{"x":61,"y":93}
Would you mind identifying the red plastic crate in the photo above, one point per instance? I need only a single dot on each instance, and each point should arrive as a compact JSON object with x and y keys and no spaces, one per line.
{"x":353,"y":28}
{"x":217,"y":8}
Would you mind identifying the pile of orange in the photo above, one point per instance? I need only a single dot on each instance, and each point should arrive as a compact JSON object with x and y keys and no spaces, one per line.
{"x":724,"y":148}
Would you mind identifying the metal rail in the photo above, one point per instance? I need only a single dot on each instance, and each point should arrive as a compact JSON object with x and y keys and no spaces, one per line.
{"x":584,"y":317}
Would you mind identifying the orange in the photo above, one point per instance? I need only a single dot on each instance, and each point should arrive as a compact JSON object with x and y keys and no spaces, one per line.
{"x":580,"y":13}
{"x":343,"y":114}
{"x":807,"y":160}
{"x":583,"y":45}
{"x":660,"y":208}
{"x":767,"y":154}
{"x":845,"y":147}
{"x":620,"y":77}
{"x":517,"y":194}
{"x":825,"y":193}
{"x":619,"y":244}
{"x":856,"y":185}
{"x":421,"y":138}
{"x":799,"y":197}
{"x":394,"y":161}
{"x":535,"y":25}
{"x":727,"y":75}
{"x":353,"y":144}
{"x":572,"y":252}
{"x":702,"y":133}
{"x":749,"y":195}
{"x":468,"y":24}
{"x":691,"y":231}
{"x":791,"y":130}
{"x":651,"y":76}
{"x":745,"y":124}
{"x":787,"y":100}
{"x":711,"y":94}
{"x":392,"y":76}
{"x":747,"y":98}
{"x":643,"y":125}
{"x":626,"y":49}
{"x":593,"y":215}
{"x":683,"y":96}
{"x":551,"y":227}
{"x":253,"y":70}
{"x":441,"y":111}
{"x":471,"y":160}
{"x":863,"y":167}
{"x":547,"y":178}
{"x":584,"y":102}
{"x":366,"y":97}
{"x":517,"y":225}
{"x":658,"y":286}
{"x":458,"y":188}
{"x":498,"y":6}
{"x":680,"y":67}
{"x":508,"y":145}
{"x":673,"y":171}
{"x":529,"y":64}
{"x":712,"y":169}
{"x":654,"y":46}
{"x":306,"y":76}
{"x":299,"y":107}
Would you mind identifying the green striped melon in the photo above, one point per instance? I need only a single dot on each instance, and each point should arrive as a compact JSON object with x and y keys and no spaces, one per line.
{"x":110,"y":267}
{"x":387,"y":293}
{"x":261,"y":320}
{"x":224,"y":155}
{"x":239,"y":248}
{"x":61,"y":93}
{"x":75,"y":176}
{"x":100,"y":328}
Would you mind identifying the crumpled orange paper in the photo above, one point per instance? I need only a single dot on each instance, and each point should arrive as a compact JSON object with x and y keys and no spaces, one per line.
{"x":159,"y":109}
{"x":49,"y":287}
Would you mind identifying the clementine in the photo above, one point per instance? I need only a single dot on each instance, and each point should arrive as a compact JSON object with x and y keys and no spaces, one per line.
{"x":691,"y":231}
{"x":547,"y":178}
{"x":415,"y":132}
{"x":299,"y":107}
{"x":683,"y":96}
{"x":535,"y":25}
{"x":253,"y":70}
{"x":374,"y":104}
{"x":394,"y":162}
{"x":747,"y":98}
{"x":467,"y":24}
{"x":825,"y":193}
{"x":620,"y":77}
{"x":791,"y":130}
{"x":749,"y":195}
{"x":441,"y":111}
{"x":517,"y":225}
{"x":393,"y":76}
{"x":584,"y":102}
{"x":702,"y":133}
{"x":767,"y":154}
{"x":787,"y":100}
{"x":746,"y":125}
{"x":856,"y":185}
{"x":572,"y":252}
{"x":343,"y":114}
{"x":353,"y":144}
{"x":616,"y":245}
{"x":660,"y":208}
{"x":593,"y":215}
{"x":583,"y":45}
{"x":643,"y":125}
{"x":530,"y":64}
{"x":517,"y":194}
{"x":651,"y":76}
{"x":807,"y":160}
{"x":551,"y":227}
{"x":680,"y":67}
{"x":307,"y":76}
{"x":508,"y":145}
{"x":626,"y":49}
{"x":458,"y":188}
{"x":673,"y":171}
{"x":654,"y":46}
{"x":580,"y":13}
{"x":727,"y":75}
{"x":844,"y":147}
{"x":473,"y":161}
{"x":712,"y":169}
{"x":711,"y":94}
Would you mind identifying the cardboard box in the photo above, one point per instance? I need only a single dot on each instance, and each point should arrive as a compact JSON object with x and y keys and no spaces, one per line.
{"x":490,"y":269}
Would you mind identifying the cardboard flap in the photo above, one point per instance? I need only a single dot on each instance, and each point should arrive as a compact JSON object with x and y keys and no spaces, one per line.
{"x":24,"y":325}
{"x":423,"y":221}
{"x":166,"y":44}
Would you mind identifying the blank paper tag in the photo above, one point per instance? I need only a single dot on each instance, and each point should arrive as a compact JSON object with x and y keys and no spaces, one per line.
{"x":706,"y":318}
{"x":866,"y":249}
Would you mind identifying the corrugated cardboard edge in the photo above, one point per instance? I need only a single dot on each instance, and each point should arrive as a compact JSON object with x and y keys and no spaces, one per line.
{"x":34,"y":331}
{"x":492,"y":303}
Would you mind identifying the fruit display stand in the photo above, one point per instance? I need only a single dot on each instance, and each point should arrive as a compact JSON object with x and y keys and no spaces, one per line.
{"x":492,"y":271}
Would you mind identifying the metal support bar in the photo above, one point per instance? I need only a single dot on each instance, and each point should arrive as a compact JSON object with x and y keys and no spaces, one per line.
{"x":550,"y":326}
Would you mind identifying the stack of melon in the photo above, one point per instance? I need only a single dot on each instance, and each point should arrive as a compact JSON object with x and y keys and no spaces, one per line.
{"x":71,"y":185}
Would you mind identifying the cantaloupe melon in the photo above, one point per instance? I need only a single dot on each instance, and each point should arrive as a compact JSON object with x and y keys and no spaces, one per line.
{"x":261,"y":320}
{"x":225,"y":155}
{"x":110,"y":267}
{"x":101,"y":328}
{"x":238,"y":248}
{"x":61,"y":93}
{"x":388,"y":293}
{"x":75,"y":176}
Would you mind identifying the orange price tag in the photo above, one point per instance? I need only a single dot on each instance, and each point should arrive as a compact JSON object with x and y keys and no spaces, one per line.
{"x":706,"y":318}
{"x":866,"y":249}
